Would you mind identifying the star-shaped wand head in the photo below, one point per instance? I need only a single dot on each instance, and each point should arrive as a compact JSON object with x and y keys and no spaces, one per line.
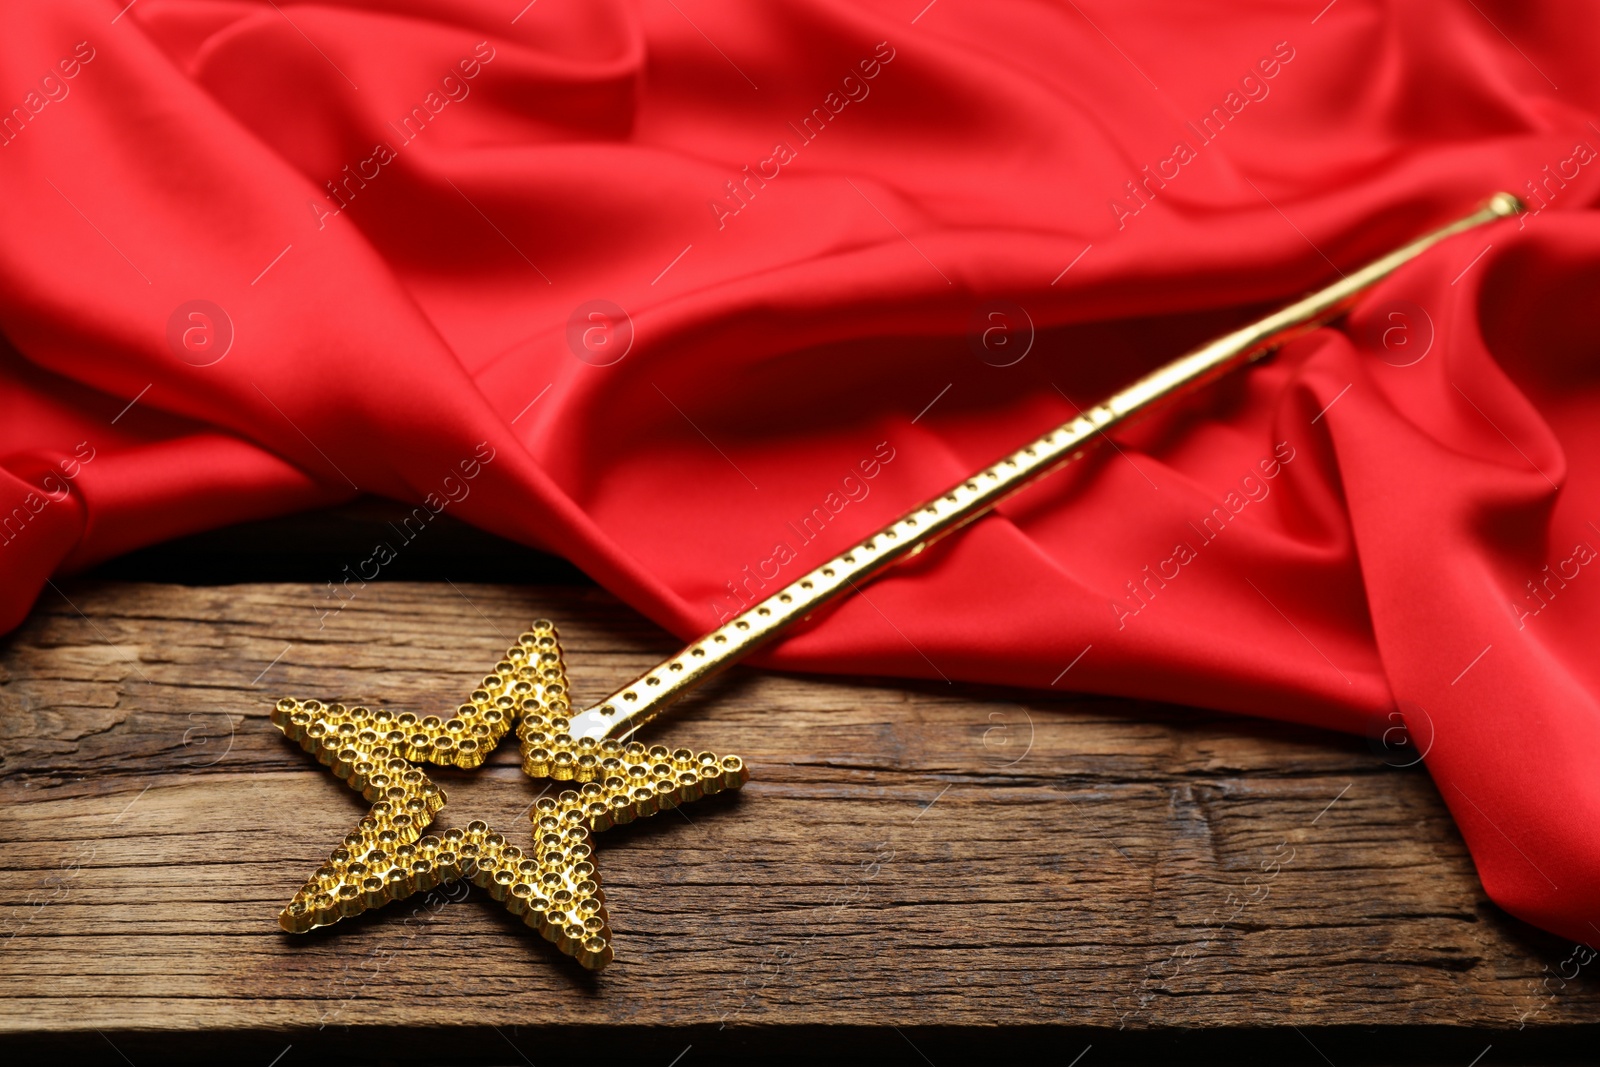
{"x":553,"y":886}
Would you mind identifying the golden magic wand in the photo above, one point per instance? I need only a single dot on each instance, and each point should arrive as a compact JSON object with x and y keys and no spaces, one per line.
{"x":553,"y":885}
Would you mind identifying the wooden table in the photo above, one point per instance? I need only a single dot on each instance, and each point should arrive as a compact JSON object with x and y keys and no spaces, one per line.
{"x":914,"y":872}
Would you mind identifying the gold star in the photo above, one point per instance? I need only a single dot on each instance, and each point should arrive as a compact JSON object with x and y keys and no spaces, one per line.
{"x":553,"y":886}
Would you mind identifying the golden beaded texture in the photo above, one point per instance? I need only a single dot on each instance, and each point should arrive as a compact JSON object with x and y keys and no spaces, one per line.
{"x":552,"y":886}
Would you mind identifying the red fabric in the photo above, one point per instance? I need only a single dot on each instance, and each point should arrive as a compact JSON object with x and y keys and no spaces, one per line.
{"x":787,"y":343}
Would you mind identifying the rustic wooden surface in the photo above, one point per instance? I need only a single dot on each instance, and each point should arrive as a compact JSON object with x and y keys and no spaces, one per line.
{"x":930,"y":858}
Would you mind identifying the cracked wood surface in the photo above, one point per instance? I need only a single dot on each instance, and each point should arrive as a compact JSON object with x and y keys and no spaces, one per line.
{"x":917,"y":854}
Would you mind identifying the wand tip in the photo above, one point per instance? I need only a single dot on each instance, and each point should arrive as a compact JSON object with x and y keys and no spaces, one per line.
{"x":1506,"y":205}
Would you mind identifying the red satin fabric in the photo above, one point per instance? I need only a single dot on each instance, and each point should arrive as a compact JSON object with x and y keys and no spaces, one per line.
{"x":1373,"y":525}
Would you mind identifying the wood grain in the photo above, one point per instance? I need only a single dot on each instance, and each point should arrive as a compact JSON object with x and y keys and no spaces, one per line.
{"x":926,"y":856}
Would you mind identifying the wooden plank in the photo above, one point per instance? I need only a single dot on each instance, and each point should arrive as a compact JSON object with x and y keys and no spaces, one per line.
{"x":923,"y":855}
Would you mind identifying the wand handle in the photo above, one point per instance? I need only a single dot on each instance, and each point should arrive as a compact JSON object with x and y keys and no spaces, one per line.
{"x":647,"y":696}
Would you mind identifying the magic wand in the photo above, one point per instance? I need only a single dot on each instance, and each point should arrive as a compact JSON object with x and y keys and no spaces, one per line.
{"x":554,"y":887}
